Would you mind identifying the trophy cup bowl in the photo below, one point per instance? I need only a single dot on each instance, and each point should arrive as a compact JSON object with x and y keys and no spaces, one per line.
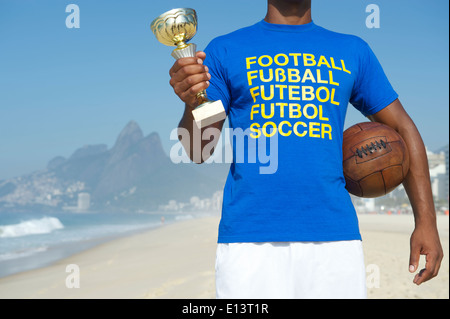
{"x":175,"y":28}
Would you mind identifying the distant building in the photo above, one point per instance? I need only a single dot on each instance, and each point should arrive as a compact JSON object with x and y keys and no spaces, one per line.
{"x":84,"y":201}
{"x":195,"y":204}
{"x":438,"y":163}
{"x":445,"y":151}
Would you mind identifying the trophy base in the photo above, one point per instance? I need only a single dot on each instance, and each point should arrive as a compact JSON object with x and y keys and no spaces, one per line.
{"x":209,"y":113}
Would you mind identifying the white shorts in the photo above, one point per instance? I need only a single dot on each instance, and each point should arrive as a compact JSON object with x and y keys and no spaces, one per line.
{"x":291,"y":270}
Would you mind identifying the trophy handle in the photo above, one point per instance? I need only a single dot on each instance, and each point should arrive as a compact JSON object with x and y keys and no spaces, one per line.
{"x":187,"y":51}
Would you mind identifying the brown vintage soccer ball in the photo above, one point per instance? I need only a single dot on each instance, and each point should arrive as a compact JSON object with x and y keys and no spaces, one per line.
{"x":375,"y":159}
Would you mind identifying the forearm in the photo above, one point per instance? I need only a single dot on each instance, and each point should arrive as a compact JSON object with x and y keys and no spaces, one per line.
{"x":189,"y":135}
{"x":425,"y":237}
{"x":417,"y":182}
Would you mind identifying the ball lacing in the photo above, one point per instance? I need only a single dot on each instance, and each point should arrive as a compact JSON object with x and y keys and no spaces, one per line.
{"x":369,"y":149}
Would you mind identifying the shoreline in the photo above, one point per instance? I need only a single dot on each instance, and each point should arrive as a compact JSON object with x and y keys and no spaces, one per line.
{"x":46,"y":255}
{"x":158,"y":252}
{"x":177,"y":261}
{"x":52,"y":254}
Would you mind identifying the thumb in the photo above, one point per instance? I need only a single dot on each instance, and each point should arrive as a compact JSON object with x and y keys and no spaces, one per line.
{"x":414,"y":257}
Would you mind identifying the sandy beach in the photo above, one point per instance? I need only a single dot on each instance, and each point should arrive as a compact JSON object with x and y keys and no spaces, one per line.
{"x":177,"y":261}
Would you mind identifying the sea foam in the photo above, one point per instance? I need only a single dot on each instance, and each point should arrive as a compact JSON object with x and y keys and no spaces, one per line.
{"x":43,"y":225}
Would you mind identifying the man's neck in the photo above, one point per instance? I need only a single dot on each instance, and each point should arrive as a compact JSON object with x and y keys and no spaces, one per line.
{"x":288,"y":12}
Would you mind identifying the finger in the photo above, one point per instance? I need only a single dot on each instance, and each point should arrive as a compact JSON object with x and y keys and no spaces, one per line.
{"x":432,"y":263}
{"x":180,"y":63}
{"x":190,"y":96}
{"x":201,"y":55}
{"x":190,"y":81}
{"x":187,"y":71}
{"x":423,"y":275}
{"x":418,"y":277}
{"x":430,"y":271}
{"x":438,"y":265}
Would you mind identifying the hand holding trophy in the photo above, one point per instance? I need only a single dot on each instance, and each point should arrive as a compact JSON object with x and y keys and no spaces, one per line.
{"x":175,"y":28}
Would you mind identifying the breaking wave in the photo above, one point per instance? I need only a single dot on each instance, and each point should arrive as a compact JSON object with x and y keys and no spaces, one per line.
{"x":43,"y":225}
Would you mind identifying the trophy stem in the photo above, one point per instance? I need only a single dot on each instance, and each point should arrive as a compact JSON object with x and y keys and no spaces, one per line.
{"x":181,"y":45}
{"x":202,"y":98}
{"x":185,"y":51}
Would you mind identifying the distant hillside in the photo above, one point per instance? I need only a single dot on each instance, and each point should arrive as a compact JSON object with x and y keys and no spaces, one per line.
{"x":135,"y":174}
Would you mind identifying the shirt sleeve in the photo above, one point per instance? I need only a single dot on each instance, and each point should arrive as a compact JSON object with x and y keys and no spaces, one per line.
{"x":372,"y":91}
{"x":218,"y":84}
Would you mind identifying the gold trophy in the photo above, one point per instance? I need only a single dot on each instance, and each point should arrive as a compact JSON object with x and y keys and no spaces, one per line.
{"x":175,"y":28}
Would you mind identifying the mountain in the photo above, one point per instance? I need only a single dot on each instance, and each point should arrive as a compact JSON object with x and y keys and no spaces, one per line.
{"x":134,"y":174}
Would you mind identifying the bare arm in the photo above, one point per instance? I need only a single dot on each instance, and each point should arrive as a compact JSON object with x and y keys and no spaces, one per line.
{"x":425,"y":238}
{"x":188,"y":77}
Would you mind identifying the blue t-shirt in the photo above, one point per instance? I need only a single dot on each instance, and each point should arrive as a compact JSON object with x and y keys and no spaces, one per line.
{"x":286,"y":89}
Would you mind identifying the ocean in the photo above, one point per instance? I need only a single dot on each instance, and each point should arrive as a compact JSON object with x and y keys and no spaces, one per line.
{"x":33,"y":240}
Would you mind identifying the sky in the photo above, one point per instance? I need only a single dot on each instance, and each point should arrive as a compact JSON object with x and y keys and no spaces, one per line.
{"x":62,"y":88}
